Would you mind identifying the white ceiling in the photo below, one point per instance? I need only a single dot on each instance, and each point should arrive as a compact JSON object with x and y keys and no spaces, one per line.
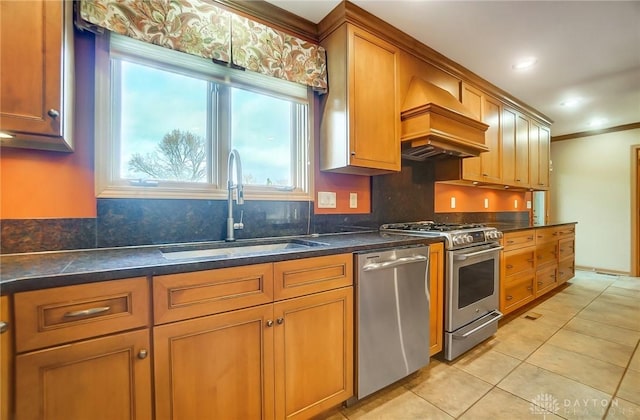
{"x":585,"y":49}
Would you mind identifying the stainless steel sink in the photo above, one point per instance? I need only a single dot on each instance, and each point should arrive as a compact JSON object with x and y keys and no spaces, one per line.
{"x":235,"y":249}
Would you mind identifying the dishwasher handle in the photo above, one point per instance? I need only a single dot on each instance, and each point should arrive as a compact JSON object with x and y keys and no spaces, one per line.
{"x":394,"y":263}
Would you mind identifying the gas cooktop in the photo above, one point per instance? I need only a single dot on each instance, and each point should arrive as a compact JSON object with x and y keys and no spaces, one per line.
{"x":457,"y":235}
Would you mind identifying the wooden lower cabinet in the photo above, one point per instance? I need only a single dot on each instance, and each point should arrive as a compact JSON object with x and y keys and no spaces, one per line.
{"x":436,"y":292}
{"x":313,"y":352}
{"x":546,"y":280}
{"x":292,"y":359}
{"x":103,"y":378}
{"x":517,"y":292}
{"x":6,"y":359}
{"x":219,"y":366}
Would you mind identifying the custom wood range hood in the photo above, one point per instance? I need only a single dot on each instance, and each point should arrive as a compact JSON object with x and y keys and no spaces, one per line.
{"x":435,"y":124}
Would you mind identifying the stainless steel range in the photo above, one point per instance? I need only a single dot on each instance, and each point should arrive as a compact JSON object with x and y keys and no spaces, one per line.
{"x":471,"y":280}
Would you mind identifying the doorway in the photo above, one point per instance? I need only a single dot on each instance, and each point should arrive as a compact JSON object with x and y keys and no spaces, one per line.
{"x":635,"y":210}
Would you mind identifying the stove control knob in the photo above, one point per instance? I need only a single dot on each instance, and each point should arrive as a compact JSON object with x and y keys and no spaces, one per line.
{"x":491,"y":235}
{"x":468,"y":239}
{"x":458,"y":240}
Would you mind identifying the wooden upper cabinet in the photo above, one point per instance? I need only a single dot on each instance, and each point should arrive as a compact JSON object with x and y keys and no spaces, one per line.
{"x":36,"y":82}
{"x":539,"y":144}
{"x":360,"y":126}
{"x":488,"y":166}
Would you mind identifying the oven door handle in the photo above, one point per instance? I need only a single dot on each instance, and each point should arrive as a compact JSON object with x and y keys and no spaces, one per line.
{"x":461,"y":257}
{"x":394,"y":263}
{"x":495,"y":315}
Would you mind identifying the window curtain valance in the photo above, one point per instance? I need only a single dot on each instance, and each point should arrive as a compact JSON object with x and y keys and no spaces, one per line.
{"x":201,"y":28}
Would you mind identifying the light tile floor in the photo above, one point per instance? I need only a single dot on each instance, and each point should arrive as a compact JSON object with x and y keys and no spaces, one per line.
{"x":578,"y":360}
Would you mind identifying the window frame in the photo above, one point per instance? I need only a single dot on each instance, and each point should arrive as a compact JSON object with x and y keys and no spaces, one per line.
{"x":107,"y":155}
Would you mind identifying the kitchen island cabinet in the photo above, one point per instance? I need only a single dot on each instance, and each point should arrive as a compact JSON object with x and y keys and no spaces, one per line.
{"x":360,"y":122}
{"x":36,"y":82}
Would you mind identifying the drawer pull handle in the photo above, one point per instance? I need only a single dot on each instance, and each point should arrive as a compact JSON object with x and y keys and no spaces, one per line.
{"x":529,"y":287}
{"x":4,"y":327}
{"x":530,"y":260}
{"x":540,"y":283}
{"x":510,"y":242}
{"x":509,"y":297}
{"x":87,"y":312}
{"x":529,"y":238}
{"x":142,"y":354}
{"x":509,"y":266}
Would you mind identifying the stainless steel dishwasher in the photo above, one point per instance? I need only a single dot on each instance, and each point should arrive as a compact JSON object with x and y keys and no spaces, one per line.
{"x":392,"y":324}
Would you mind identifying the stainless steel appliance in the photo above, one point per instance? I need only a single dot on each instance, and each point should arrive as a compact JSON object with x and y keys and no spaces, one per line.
{"x":392,"y":304}
{"x":472,"y":280}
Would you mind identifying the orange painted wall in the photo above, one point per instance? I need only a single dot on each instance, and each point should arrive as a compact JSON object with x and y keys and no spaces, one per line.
{"x":471,"y":199}
{"x":39,"y":184}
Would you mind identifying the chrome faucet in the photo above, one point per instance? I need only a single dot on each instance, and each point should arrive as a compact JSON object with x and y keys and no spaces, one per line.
{"x":234,"y":158}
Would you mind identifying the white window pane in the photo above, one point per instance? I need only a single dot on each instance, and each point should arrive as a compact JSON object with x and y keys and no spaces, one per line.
{"x":163,"y":125}
{"x":261,"y":131}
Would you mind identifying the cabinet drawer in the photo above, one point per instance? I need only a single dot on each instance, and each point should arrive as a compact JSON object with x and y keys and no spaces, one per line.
{"x":566,"y":248}
{"x":310,"y":275}
{"x":517,"y":293}
{"x":188,"y":295}
{"x":514,"y":240}
{"x":64,"y":314}
{"x":519,"y":260}
{"x":546,"y":280}
{"x":567,"y":231}
{"x":566,"y":270}
{"x":546,"y":254}
{"x":544,"y":235}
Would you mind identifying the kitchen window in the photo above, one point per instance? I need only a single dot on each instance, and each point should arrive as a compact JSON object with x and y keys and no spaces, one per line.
{"x":166,"y":122}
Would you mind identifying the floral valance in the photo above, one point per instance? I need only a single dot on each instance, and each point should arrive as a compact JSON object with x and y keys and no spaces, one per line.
{"x":201,"y":28}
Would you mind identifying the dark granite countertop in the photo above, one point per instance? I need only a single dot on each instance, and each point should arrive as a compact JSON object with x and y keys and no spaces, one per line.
{"x":31,"y":271}
{"x":515,"y":226}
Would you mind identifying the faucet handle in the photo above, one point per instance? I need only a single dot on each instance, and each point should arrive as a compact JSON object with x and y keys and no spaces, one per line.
{"x":239,"y":225}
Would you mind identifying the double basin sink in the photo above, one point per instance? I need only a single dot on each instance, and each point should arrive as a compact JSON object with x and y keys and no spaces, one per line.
{"x":238,"y":249}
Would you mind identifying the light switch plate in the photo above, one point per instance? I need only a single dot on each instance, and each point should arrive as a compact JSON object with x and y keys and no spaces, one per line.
{"x":353,"y":200}
{"x":326,"y":200}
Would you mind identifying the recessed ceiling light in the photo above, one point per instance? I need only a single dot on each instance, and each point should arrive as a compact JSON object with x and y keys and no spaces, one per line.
{"x":525,"y":63}
{"x":571,"y":102}
{"x":596,"y":122}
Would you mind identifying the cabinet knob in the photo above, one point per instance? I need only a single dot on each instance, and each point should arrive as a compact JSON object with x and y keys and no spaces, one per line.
{"x":270,"y":323}
{"x":53,"y":113}
{"x":142,"y":354}
{"x":280,"y":321}
{"x":4,"y":327}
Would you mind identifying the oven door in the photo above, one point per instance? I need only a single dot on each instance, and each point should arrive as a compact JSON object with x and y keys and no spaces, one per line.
{"x":472,"y":284}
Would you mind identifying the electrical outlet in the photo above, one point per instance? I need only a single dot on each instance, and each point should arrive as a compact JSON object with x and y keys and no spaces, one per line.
{"x":453,"y":202}
{"x":326,"y":200}
{"x":529,"y":204}
{"x":353,"y":200}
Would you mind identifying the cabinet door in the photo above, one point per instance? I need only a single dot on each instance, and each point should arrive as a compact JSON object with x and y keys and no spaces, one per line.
{"x":539,"y":144}
{"x":509,"y":145}
{"x":488,"y":166}
{"x":522,"y":152}
{"x":436,"y":293}
{"x":105,"y":378}
{"x":546,"y":279}
{"x":374,"y":112}
{"x":6,"y":359}
{"x":516,"y":292}
{"x":32,"y":79}
{"x":216,"y":367}
{"x":313,"y":353}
